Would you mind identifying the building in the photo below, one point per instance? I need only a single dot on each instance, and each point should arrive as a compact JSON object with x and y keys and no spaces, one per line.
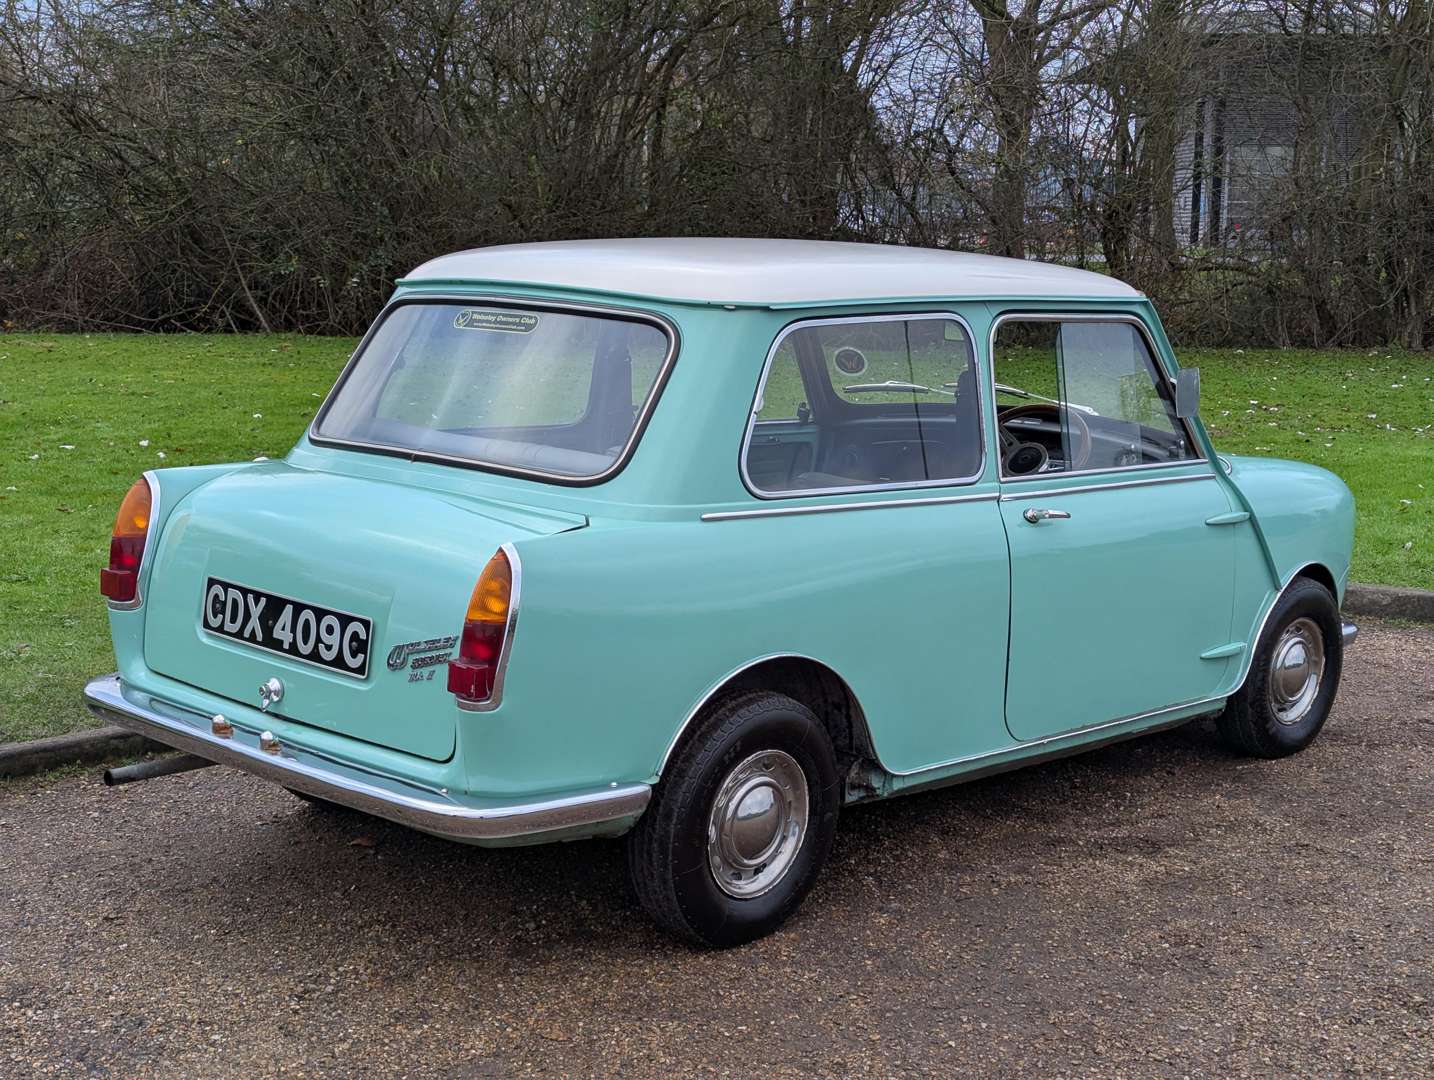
{"x":1261,"y":104}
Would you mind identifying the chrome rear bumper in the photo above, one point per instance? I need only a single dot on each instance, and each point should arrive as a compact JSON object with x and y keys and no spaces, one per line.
{"x":607,"y":810}
{"x":1348,"y":631}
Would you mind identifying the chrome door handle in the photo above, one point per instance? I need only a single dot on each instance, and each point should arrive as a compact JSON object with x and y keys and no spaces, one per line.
{"x":1036,"y":515}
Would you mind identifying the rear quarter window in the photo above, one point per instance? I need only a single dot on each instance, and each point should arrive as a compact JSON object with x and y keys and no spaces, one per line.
{"x":549,"y":392}
{"x":859,"y":403}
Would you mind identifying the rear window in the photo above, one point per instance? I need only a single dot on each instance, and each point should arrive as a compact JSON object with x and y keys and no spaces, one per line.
{"x":554,"y":393}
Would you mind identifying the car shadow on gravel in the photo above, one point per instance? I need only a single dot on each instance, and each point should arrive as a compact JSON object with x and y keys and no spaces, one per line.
{"x":419,"y":895}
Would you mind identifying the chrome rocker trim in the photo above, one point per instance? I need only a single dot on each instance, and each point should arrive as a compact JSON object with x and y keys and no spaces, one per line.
{"x":382,"y":796}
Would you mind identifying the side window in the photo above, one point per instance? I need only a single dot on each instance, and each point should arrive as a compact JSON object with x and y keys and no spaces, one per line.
{"x":922,"y":360}
{"x":861,"y":403}
{"x":1082,"y":395}
{"x":783,"y":396}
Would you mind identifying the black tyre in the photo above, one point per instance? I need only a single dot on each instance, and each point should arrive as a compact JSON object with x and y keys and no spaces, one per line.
{"x":1293,"y":678}
{"x":741,"y":824}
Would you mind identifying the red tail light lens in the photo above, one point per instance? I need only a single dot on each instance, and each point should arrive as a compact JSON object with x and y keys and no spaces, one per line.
{"x":471,"y":674}
{"x":120,"y":580}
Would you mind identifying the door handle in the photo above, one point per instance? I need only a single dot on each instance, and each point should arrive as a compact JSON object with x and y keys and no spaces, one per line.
{"x":1036,"y":515}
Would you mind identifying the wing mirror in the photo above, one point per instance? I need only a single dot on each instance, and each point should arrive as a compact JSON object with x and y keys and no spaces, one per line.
{"x":1187,"y":393}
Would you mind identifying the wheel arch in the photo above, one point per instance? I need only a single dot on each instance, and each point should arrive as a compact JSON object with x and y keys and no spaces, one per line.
{"x":1310,"y":571}
{"x":1315,"y":572}
{"x":805,"y":679}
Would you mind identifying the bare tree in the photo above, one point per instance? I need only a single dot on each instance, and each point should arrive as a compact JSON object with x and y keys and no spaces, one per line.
{"x":224,"y":164}
{"x":1021,"y":43}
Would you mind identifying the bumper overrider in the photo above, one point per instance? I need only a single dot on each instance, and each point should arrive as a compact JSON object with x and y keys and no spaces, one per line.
{"x":605,"y":811}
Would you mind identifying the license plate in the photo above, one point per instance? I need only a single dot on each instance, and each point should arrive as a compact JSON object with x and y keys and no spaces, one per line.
{"x":307,"y":632}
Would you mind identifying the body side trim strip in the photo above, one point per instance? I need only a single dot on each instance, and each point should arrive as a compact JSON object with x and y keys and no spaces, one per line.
{"x":1064,"y":736}
{"x":833,"y":508}
{"x":1012,"y":749}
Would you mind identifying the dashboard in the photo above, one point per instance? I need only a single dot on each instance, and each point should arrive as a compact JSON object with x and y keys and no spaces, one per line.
{"x":1035,"y":443}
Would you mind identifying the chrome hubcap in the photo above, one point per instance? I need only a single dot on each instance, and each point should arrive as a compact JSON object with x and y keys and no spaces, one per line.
{"x":758,"y":822}
{"x":1296,"y":669}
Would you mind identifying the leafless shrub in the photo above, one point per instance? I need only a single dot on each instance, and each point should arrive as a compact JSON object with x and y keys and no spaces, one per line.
{"x":1264,"y":169}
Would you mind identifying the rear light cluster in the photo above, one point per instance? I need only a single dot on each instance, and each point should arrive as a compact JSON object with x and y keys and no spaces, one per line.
{"x":120,"y":580}
{"x":472,"y":673}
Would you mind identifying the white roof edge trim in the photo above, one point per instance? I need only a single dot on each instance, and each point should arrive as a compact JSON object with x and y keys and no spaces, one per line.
{"x":767,"y":273}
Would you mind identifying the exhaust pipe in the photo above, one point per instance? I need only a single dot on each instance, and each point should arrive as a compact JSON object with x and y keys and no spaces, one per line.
{"x":148,"y":770}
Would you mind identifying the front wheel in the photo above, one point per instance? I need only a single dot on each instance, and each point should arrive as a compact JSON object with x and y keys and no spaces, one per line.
{"x":741,"y":824}
{"x":1293,"y":678}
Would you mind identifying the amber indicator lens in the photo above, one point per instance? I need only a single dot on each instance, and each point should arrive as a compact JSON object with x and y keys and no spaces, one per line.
{"x":120,"y":580}
{"x":492,"y":594}
{"x":470,"y":675}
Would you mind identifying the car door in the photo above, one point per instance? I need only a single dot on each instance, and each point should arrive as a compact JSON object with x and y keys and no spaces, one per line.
{"x":880,"y":527}
{"x":1122,"y":564}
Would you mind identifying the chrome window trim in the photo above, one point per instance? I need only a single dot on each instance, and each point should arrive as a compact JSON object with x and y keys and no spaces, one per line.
{"x":1112,"y":470}
{"x":510,"y":630}
{"x":1090,"y":316}
{"x":834,"y":508}
{"x":914,"y":485}
{"x":665,"y":325}
{"x":149,"y":534}
{"x":1079,"y":489}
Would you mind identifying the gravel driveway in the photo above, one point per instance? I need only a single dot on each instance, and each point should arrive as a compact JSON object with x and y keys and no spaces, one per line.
{"x":1158,"y":908}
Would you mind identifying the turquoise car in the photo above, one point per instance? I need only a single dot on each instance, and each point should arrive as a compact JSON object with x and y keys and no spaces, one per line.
{"x":698,"y":542}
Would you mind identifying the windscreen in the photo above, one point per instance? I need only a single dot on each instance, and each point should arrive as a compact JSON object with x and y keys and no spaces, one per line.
{"x":555,"y":393}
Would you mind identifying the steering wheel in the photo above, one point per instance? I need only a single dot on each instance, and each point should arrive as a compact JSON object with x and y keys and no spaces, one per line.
{"x":1032,"y":457}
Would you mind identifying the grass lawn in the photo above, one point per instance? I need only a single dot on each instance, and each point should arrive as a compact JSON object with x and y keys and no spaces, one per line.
{"x":1368,"y":416}
{"x":82,"y":416}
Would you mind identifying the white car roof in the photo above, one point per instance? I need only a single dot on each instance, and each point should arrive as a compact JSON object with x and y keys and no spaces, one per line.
{"x":766,"y":273}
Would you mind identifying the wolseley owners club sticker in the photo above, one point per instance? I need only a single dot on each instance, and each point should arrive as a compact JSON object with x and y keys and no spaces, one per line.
{"x":510,"y":322}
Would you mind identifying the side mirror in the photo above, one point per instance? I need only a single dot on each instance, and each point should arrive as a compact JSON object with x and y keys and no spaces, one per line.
{"x":1187,"y":393}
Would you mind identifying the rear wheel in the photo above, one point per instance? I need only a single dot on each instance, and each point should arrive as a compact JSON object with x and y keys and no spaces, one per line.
{"x":741,"y":824}
{"x":1293,"y":677}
